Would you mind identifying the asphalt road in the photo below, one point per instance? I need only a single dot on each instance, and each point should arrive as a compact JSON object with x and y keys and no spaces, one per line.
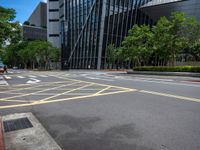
{"x":91,"y":110}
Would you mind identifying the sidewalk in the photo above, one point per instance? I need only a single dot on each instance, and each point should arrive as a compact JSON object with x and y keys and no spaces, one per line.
{"x":2,"y":144}
{"x":24,"y":132}
{"x":183,"y":74}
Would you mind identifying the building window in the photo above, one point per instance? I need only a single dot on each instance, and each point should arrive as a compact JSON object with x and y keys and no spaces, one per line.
{"x":53,"y":35}
{"x":53,"y":10}
{"x":53,"y":20}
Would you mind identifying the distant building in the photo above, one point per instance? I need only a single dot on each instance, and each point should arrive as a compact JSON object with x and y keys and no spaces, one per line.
{"x":53,"y":24}
{"x":37,"y":28}
{"x":34,"y":33}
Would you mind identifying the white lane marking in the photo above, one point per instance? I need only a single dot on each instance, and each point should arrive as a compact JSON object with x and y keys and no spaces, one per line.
{"x":31,"y":76}
{"x":21,"y":77}
{"x":33,"y":81}
{"x":3,"y":82}
{"x":7,"y":77}
{"x":159,"y":82}
{"x":94,"y":78}
{"x":44,"y":76}
{"x":147,"y":79}
{"x":84,"y":75}
{"x":170,"y":80}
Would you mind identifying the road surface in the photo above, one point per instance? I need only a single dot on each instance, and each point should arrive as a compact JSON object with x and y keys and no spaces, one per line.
{"x":93,"y":110}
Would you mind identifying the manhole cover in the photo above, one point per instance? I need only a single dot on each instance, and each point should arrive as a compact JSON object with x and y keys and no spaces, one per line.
{"x":17,"y":124}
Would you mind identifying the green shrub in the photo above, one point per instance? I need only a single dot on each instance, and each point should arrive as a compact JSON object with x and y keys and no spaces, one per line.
{"x":169,"y":69}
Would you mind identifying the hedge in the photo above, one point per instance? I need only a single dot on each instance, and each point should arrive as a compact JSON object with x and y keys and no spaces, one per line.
{"x":168,"y":68}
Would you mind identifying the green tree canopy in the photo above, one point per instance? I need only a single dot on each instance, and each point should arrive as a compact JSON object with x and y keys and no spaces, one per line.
{"x":162,"y":43}
{"x":9,"y":31}
{"x":137,"y":45}
{"x":33,"y":54}
{"x":26,"y":23}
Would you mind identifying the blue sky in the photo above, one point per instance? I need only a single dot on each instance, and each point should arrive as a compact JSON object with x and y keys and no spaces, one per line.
{"x":24,"y":8}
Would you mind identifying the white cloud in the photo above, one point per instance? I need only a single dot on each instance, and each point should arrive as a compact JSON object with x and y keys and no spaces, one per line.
{"x":44,"y":1}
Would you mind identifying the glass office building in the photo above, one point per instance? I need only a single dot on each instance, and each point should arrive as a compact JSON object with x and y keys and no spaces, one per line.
{"x":87,"y":27}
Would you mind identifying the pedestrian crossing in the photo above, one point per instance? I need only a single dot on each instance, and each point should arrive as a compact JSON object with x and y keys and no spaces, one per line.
{"x":9,"y":77}
{"x":44,"y":76}
{"x":32,"y":76}
{"x":20,"y":77}
{"x":3,"y":83}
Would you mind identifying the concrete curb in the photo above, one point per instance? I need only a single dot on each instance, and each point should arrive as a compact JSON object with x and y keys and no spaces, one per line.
{"x":33,"y":138}
{"x":184,"y":74}
{"x":2,"y":142}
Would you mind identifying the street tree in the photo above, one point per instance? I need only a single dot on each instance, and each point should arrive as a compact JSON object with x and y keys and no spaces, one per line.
{"x":111,"y":55}
{"x":26,"y":23}
{"x":9,"y":31}
{"x":41,"y":53}
{"x":195,"y":50}
{"x":161,"y":41}
{"x":137,"y":45}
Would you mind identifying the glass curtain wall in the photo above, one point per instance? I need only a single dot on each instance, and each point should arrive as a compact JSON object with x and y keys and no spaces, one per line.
{"x":82,"y":29}
{"x":121,"y":15}
{"x":82,"y":22}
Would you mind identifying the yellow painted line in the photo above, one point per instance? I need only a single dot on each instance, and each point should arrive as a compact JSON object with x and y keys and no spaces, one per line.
{"x":32,"y":87}
{"x":46,"y":101}
{"x":37,"y":92}
{"x":67,"y":99}
{"x":66,"y":92}
{"x":44,"y":84}
{"x":102,"y":90}
{"x":170,"y":95}
{"x":18,"y":85}
{"x":95,"y":83}
{"x":15,"y":93}
{"x":51,"y":94}
{"x":17,"y":101}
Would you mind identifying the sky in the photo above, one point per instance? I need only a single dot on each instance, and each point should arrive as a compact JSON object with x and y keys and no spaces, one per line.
{"x":23,"y":8}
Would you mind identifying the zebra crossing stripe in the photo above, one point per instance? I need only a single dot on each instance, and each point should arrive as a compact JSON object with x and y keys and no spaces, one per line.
{"x":3,"y":82}
{"x":44,"y":76}
{"x":7,"y":77}
{"x":21,"y":77}
{"x":31,"y":76}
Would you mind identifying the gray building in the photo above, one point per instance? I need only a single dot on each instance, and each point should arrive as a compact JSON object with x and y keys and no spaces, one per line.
{"x":34,"y":33}
{"x":39,"y":15}
{"x":37,"y":30}
{"x":84,"y":28}
{"x":53,"y":22}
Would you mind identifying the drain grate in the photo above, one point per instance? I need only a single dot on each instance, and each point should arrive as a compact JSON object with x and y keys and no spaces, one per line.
{"x":17,"y":124}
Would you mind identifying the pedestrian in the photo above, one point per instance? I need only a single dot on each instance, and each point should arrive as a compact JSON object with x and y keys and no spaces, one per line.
{"x":5,"y":69}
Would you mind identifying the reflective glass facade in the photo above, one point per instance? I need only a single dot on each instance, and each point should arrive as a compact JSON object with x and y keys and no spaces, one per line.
{"x":89,"y":26}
